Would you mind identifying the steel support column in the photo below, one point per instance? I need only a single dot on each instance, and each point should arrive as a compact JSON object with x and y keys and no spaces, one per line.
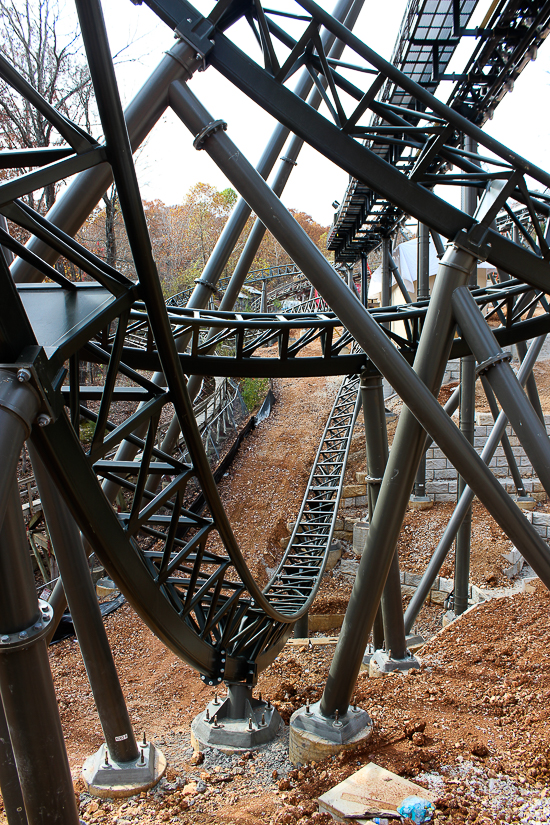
{"x":25,"y":679}
{"x":422,"y":294}
{"x":364,"y":279}
{"x":505,"y":442}
{"x":531,"y":385}
{"x":463,"y":538}
{"x":493,"y":362}
{"x":467,"y":427}
{"x":423,"y":263}
{"x":376,"y":440}
{"x":87,"y":618}
{"x":406,"y":452}
{"x":12,"y":796}
{"x":385,"y":295}
{"x":466,"y":499}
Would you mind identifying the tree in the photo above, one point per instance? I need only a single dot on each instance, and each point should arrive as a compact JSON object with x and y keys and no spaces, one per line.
{"x":184,"y":235}
{"x":271,"y":253}
{"x":31,"y":41}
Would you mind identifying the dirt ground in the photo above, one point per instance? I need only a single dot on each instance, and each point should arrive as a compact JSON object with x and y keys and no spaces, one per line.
{"x":479,"y":703}
{"x":471,"y":723}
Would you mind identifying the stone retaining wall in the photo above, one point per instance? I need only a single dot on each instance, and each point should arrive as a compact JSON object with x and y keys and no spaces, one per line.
{"x":441,"y":476}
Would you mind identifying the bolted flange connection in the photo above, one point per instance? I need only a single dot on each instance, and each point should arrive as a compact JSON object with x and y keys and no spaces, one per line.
{"x":26,"y":637}
{"x":314,"y":736}
{"x":104,"y":777}
{"x":236,"y":722}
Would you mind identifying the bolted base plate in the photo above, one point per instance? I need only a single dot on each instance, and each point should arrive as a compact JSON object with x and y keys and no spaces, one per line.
{"x":382,"y":663}
{"x":121,"y":779}
{"x":314,"y":736}
{"x":258,"y":725}
{"x":420,"y":503}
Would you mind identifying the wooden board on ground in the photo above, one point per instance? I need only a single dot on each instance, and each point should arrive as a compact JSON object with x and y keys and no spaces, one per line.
{"x":370,"y":788}
{"x":315,"y":641}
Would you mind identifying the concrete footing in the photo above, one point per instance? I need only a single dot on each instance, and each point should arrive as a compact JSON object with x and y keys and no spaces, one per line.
{"x":236,"y":723}
{"x":334,"y":554}
{"x":381,"y":663}
{"x":314,"y":737}
{"x":420,"y":503}
{"x":108,"y":779}
{"x":360,"y":535}
{"x":525,"y":502}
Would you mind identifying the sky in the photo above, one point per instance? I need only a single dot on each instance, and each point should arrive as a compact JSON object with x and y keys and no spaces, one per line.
{"x":168,"y":165}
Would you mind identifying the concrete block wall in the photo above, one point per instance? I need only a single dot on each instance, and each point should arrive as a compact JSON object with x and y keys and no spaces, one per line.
{"x":441,"y":476}
{"x":439,"y":591}
{"x":541,"y":523}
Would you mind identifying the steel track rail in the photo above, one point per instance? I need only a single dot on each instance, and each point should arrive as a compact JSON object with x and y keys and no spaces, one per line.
{"x":311,"y":536}
{"x":245,"y":334}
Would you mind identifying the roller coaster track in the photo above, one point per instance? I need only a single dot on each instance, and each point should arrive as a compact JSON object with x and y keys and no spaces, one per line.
{"x":237,"y":347}
{"x":312,"y":533}
{"x":255,"y":276}
{"x":183,"y":572}
{"x":508,"y":39}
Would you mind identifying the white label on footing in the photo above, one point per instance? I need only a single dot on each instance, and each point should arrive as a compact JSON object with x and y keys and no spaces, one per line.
{"x":121,"y":738}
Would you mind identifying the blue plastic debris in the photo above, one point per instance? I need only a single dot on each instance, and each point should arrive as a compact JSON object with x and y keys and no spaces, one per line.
{"x":416,"y":809}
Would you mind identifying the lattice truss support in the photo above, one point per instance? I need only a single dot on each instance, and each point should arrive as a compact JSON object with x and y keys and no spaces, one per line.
{"x":183,"y":571}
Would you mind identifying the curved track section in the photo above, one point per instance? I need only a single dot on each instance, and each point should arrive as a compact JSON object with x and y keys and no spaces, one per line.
{"x":312,"y":533}
{"x":236,"y":348}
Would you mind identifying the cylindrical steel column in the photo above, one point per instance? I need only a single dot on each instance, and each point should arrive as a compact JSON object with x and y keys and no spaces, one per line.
{"x":376,"y":440}
{"x":364,"y":279}
{"x":18,"y":408}
{"x":494,"y":363}
{"x":385,"y":295}
{"x":422,"y":294}
{"x":301,"y":628}
{"x":407,"y":449}
{"x":467,"y":426}
{"x":531,"y":385}
{"x":423,"y":263}
{"x":463,"y":538}
{"x":263,"y":301}
{"x":26,"y":684}
{"x":7,"y":253}
{"x":505,"y":442}
{"x":87,"y":618}
{"x":12,"y":796}
{"x":465,"y":502}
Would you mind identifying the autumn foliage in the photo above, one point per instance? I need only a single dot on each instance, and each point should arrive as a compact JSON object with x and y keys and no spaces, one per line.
{"x":184,"y":235}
